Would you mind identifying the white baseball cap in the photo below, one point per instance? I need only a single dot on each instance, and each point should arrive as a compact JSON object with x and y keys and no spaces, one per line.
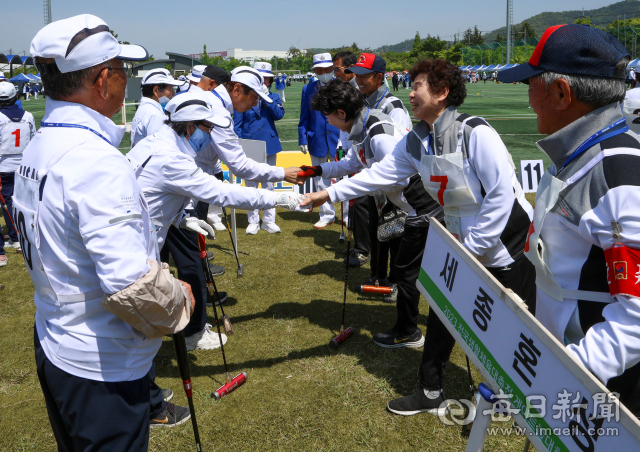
{"x":263,"y":68}
{"x":7,"y":91}
{"x":194,"y":107}
{"x":251,"y":78}
{"x":196,"y":73}
{"x":160,"y":77}
{"x":2,"y":77}
{"x":80,"y":42}
{"x":322,"y":60}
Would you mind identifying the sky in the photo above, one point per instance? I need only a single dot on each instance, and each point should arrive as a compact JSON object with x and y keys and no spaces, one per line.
{"x":163,"y":25}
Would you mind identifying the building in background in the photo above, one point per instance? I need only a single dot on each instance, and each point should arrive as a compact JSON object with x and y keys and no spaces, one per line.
{"x":248,"y":56}
{"x":177,"y":64}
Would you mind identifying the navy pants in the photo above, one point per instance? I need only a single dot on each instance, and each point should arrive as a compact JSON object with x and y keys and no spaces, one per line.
{"x":7,"y":192}
{"x":359,"y":219}
{"x":183,"y":247}
{"x":88,"y":415}
{"x":386,"y":248}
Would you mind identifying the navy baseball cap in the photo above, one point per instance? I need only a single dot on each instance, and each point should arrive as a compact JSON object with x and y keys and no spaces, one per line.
{"x":571,"y":50}
{"x":367,"y":63}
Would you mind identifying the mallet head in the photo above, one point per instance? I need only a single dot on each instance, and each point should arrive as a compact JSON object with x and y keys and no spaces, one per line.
{"x":230,"y":386}
{"x":340,"y":338}
{"x":240,"y":270}
{"x":341,"y":239}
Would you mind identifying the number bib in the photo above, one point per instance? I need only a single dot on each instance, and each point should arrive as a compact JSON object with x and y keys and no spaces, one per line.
{"x":25,"y":205}
{"x":14,"y":137}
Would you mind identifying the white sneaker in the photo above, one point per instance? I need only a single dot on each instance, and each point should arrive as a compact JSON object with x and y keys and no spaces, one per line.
{"x":218,"y":226}
{"x":205,"y":340}
{"x":270,"y":227}
{"x":12,"y":244}
{"x":323,"y":224}
{"x":3,"y":260}
{"x":253,"y":229}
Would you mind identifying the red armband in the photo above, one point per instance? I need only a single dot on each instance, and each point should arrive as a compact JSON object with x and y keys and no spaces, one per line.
{"x":623,"y":270}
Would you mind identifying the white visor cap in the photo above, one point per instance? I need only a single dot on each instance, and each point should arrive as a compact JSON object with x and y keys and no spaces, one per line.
{"x":81,"y":42}
{"x":322,"y":60}
{"x":160,"y":77}
{"x":252,"y":79}
{"x":196,"y":73}
{"x":7,"y":91}
{"x":263,"y":68}
{"x":192,"y":107}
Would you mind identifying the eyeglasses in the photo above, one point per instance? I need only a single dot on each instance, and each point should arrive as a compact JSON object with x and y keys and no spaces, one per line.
{"x":206,"y":125}
{"x":126,"y":67}
{"x":339,"y":68}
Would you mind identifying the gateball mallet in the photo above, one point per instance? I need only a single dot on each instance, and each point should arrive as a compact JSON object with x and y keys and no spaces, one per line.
{"x":341,"y":239}
{"x":344,"y":333}
{"x":231,"y":384}
{"x":185,"y":374}
{"x":202,"y":245}
{"x":235,"y":252}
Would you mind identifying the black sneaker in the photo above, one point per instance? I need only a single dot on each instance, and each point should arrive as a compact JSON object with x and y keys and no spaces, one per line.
{"x":222,"y":299}
{"x":356,"y":259}
{"x":167,"y":394}
{"x":216,"y":270}
{"x":418,"y":402}
{"x":381,"y":282}
{"x":391,"y":339}
{"x":209,"y":255}
{"x":171,"y":416}
{"x":344,"y":251}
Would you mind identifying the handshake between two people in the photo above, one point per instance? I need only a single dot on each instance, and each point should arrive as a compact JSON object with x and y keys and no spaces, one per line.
{"x":297,"y":202}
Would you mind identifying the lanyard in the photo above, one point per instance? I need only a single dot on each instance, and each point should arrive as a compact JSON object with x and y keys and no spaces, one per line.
{"x":219,"y":97}
{"x":380,"y":100}
{"x":364,"y":126}
{"x":597,"y":138}
{"x":74,"y":126}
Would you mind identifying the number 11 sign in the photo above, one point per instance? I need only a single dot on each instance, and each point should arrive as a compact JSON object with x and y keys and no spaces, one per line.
{"x":530,"y":174}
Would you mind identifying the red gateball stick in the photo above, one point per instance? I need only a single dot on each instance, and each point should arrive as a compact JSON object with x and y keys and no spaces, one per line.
{"x":232,"y":385}
{"x":376,"y":289}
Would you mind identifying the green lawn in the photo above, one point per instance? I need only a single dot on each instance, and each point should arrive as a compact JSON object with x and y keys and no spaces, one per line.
{"x":300,"y":394}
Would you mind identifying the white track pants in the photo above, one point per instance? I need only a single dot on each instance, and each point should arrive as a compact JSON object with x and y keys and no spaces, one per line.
{"x":268,"y":215}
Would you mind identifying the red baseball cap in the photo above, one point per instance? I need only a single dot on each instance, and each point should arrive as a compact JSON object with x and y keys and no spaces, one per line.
{"x":367,"y":63}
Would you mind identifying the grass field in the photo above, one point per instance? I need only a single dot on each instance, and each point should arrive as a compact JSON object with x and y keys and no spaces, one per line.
{"x":300,"y":394}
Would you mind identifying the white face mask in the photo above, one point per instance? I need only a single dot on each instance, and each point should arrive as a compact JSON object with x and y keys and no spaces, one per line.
{"x":325,"y":78}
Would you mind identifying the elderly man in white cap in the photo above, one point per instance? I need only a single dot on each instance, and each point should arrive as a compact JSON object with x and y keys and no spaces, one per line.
{"x":315,"y":135}
{"x":103,"y":301}
{"x":157,"y":91}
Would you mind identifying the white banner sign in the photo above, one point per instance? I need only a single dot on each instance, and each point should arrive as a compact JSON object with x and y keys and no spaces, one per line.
{"x":531,"y":172}
{"x":561,"y":405}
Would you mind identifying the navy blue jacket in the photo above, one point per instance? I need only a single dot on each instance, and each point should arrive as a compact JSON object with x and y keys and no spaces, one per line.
{"x":313,"y":128}
{"x":259,"y":123}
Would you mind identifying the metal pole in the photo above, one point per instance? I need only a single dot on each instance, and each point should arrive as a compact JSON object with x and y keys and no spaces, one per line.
{"x":508,"y":31}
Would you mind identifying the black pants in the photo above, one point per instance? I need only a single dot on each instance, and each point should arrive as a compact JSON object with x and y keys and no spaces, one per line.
{"x":519,"y":277}
{"x":88,"y":415}
{"x":359,"y":220}
{"x":390,"y":246}
{"x":183,"y":247}
{"x":202,"y":208}
{"x":407,"y":268}
{"x":6,"y":179}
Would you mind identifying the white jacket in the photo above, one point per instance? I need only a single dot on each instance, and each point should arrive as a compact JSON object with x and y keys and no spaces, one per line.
{"x":92,"y":238}
{"x":170,"y":179}
{"x":148,"y":120}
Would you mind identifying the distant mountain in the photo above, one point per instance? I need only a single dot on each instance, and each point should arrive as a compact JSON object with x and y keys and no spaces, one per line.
{"x":599,"y":17}
{"x":542,"y":21}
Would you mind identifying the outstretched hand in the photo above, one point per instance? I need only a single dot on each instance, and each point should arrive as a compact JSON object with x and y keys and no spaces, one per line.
{"x":291,"y":175}
{"x":315,"y":199}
